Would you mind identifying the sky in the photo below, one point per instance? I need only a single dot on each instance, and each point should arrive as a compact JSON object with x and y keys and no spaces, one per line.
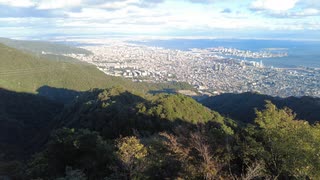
{"x":282,"y":19}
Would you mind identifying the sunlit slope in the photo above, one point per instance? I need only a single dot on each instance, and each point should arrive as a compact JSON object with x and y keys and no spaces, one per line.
{"x":24,"y":72}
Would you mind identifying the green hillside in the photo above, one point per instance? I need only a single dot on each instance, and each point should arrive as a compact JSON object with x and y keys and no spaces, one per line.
{"x":23,"y":72}
{"x":118,"y":111}
{"x":26,"y":73}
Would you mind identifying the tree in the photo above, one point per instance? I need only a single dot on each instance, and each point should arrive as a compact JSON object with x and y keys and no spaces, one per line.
{"x":292,"y":145}
{"x":192,"y":149}
{"x":132,"y":154}
{"x":73,"y":175}
{"x":209,"y":167}
{"x":81,"y":149}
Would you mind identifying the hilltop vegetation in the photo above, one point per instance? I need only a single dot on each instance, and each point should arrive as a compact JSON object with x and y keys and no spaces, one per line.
{"x":118,"y":134}
{"x":106,"y":114}
{"x":117,"y":111}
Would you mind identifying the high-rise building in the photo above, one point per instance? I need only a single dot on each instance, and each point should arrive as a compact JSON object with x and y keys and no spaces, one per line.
{"x":261,"y":64}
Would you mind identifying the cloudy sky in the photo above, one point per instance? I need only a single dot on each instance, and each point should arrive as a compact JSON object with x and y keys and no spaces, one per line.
{"x":298,"y":19}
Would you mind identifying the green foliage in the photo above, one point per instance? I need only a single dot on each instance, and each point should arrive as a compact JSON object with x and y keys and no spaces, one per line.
{"x":12,"y":168}
{"x":111,"y":112}
{"x":73,"y":175}
{"x":131,"y":154}
{"x":287,"y":146}
{"x":292,"y":144}
{"x":26,"y":73}
{"x":81,"y":149}
{"x":119,"y":134}
{"x":25,"y":123}
{"x":160,"y":163}
{"x":115,"y":112}
{"x":130,"y":150}
{"x":176,"y":107}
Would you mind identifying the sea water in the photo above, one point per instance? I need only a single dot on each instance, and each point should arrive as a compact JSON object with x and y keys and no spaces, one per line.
{"x":300,"y":53}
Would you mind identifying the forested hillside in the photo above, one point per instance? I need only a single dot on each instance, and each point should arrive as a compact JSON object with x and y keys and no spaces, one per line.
{"x":25,"y":123}
{"x":119,"y":134}
{"x":242,"y":106}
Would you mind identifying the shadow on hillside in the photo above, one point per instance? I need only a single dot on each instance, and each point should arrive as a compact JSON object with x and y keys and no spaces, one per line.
{"x":241,"y":106}
{"x":122,"y":114}
{"x":60,"y":95}
{"x":24,"y":122}
{"x":168,"y":91}
{"x":27,"y":120}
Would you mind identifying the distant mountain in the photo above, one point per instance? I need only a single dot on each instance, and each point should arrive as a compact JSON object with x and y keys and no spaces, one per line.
{"x":242,"y":106}
{"x":24,"y":72}
{"x":38,"y":47}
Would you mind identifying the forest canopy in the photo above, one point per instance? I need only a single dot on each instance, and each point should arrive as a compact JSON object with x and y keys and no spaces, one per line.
{"x":118,"y":134}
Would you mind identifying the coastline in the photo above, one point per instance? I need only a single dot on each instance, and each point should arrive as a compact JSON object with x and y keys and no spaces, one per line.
{"x":300,"y":53}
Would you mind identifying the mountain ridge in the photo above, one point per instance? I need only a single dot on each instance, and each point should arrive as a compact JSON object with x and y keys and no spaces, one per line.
{"x":242,"y":106}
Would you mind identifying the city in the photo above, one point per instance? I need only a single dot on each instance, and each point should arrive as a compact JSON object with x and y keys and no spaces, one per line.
{"x":206,"y":69}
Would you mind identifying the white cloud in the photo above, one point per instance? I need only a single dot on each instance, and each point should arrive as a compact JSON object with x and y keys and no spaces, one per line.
{"x":65,"y":4}
{"x":92,"y":13}
{"x":274,"y":5}
{"x":300,"y":14}
{"x":118,"y":4}
{"x":309,"y":12}
{"x":57,"y":4}
{"x":17,"y":3}
{"x":161,"y":16}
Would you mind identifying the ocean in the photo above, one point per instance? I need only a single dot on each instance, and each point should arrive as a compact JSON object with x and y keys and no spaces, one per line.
{"x":300,"y":53}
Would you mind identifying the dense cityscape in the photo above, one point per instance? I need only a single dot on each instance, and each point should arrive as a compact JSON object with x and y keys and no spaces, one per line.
{"x":248,"y":54}
{"x":206,"y":69}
